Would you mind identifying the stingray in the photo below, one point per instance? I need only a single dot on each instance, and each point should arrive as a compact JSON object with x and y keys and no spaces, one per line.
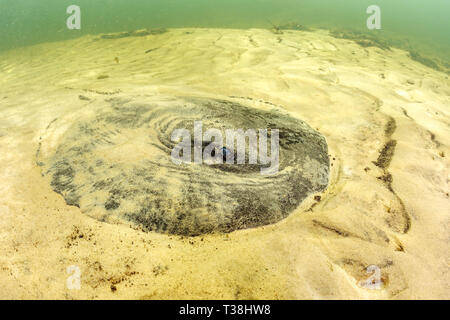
{"x":114,"y":163}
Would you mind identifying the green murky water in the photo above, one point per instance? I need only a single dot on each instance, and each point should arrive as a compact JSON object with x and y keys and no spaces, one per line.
{"x":416,"y":25}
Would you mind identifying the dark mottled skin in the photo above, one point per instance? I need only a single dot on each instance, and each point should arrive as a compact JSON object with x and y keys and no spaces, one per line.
{"x":91,"y":170}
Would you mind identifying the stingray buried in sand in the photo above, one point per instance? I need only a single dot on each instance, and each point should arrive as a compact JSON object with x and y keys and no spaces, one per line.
{"x":92,"y":169}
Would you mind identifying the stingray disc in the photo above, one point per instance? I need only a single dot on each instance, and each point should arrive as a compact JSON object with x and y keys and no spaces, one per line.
{"x":114,"y":163}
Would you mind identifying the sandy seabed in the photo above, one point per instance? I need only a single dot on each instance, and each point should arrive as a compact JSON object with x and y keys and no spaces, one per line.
{"x":386,"y":121}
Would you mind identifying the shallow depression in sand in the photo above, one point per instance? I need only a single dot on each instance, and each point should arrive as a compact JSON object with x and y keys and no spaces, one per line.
{"x":115,"y":164}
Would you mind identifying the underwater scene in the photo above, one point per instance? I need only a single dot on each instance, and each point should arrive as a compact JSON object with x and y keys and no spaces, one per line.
{"x":224,"y":150}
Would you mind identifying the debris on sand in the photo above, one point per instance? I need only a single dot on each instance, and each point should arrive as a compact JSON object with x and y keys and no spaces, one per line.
{"x":363,"y":39}
{"x":278,"y":29}
{"x":81,"y":97}
{"x":366,"y":40}
{"x":136,"y":33}
{"x":425,"y":61}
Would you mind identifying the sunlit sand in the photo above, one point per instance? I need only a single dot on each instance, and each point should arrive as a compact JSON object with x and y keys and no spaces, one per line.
{"x":385,"y":118}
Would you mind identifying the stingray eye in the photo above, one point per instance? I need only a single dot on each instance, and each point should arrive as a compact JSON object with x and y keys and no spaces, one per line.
{"x":225,"y":153}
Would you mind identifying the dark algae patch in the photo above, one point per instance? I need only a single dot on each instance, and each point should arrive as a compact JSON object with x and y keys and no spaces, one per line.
{"x":363,"y":39}
{"x":399,"y":219}
{"x":278,"y":29}
{"x":137,"y":33}
{"x":386,"y":154}
{"x":366,"y":40}
{"x":115,"y":164}
{"x":430,"y":63}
